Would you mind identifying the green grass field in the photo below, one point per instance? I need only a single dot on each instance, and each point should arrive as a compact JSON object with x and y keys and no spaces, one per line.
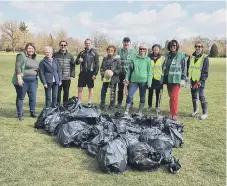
{"x":30,"y":157}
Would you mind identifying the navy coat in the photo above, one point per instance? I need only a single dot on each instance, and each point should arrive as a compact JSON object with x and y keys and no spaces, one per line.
{"x":47,"y":71}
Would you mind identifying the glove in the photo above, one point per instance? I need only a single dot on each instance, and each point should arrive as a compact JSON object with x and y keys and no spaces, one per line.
{"x":182,"y":83}
{"x":196,"y":85}
{"x":126,"y":82}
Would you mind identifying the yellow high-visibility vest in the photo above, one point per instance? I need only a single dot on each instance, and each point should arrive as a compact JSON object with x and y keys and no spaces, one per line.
{"x":196,"y":68}
{"x":157,"y":68}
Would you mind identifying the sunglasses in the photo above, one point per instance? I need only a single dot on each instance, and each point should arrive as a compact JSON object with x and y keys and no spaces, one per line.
{"x":173,"y":45}
{"x":110,"y":49}
{"x":143,"y":49}
{"x":63,"y":45}
{"x":198,"y":46}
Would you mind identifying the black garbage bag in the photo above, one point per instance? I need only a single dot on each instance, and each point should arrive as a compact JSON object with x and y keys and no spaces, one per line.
{"x":71,"y":104}
{"x":129,"y":139}
{"x":120,"y":125}
{"x":39,"y":124}
{"x":112,"y":158}
{"x":174,"y":166}
{"x":103,"y":134}
{"x":72,"y":132}
{"x":149,"y":133}
{"x":85,"y":111}
{"x":143,"y":157}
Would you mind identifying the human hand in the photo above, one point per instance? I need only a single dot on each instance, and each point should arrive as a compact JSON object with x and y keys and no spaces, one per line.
{"x":93,"y":77}
{"x":182,"y":83}
{"x":196,"y":85}
{"x":126,"y":82}
{"x":45,"y":86}
{"x":81,"y":60}
{"x":20,"y":82}
{"x":59,"y":83}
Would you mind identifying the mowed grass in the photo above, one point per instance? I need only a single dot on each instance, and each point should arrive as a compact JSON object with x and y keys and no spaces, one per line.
{"x":31,"y":157}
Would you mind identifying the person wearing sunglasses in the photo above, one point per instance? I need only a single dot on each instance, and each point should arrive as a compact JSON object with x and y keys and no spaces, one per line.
{"x":125,"y":54}
{"x":174,"y":75}
{"x":67,"y":66}
{"x":88,"y":60}
{"x":25,"y":79}
{"x":197,"y":72}
{"x":111,"y":63}
{"x":157,"y":61}
{"x":139,"y":75}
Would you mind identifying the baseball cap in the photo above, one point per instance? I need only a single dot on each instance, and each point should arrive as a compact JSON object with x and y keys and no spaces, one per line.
{"x":127,"y":39}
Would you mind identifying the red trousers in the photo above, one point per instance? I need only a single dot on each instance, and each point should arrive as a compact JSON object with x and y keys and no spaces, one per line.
{"x":173,"y":91}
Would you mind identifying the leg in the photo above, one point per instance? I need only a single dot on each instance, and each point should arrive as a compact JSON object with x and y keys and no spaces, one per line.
{"x":132,"y":89}
{"x":54,"y":88}
{"x":142,"y":91}
{"x":48,"y":96}
{"x":103,"y":93}
{"x":80,"y":94}
{"x":66,"y":86}
{"x":59,"y":93}
{"x":204,"y":103}
{"x":112,"y":95}
{"x":32,"y":97}
{"x":81,"y":84}
{"x":120,"y":89}
{"x":90,"y":85}
{"x":90,"y":95}
{"x":157,"y":92}
{"x":150,"y":96}
{"x":175,"y":96}
{"x":195,"y":94}
{"x":19,"y":101}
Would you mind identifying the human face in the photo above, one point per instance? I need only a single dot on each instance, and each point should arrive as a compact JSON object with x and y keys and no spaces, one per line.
{"x":48,"y":53}
{"x":198,"y":48}
{"x":63,"y":46}
{"x":87,"y":44}
{"x":30,"y":50}
{"x":142,"y":51}
{"x":110,"y":51}
{"x":173,"y":48}
{"x":126,"y":44}
{"x":156,"y":50}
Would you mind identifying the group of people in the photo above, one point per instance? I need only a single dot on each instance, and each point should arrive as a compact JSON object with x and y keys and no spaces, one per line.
{"x":123,"y":68}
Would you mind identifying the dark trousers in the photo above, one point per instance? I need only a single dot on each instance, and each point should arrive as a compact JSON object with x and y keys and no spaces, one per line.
{"x":54,"y":89}
{"x":121,"y":90}
{"x":157,"y":88}
{"x":112,"y":87}
{"x":198,"y":93}
{"x":65,"y":86}
{"x":132,"y":90}
{"x":30,"y":84}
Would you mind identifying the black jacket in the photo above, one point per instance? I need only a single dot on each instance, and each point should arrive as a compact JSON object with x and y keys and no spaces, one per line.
{"x":67,"y":64}
{"x":205,"y":68}
{"x":90,"y":61}
{"x":115,"y":67}
{"x":49,"y":70}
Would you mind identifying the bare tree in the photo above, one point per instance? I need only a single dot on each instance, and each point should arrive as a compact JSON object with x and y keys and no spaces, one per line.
{"x":99,"y":40}
{"x":10,"y":32}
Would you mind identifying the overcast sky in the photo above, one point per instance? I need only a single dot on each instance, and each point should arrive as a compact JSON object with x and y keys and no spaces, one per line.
{"x":148,"y":21}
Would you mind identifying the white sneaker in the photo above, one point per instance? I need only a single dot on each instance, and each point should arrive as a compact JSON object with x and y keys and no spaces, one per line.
{"x":204,"y":116}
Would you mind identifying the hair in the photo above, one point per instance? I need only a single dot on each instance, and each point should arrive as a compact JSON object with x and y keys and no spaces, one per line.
{"x":63,"y":41}
{"x":87,"y":40}
{"x":156,"y":45}
{"x":170,"y":44}
{"x":48,"y":47}
{"x":199,"y":42}
{"x":32,"y":45}
{"x":111,"y":46}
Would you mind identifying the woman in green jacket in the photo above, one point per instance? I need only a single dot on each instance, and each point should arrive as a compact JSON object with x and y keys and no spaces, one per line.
{"x":140,"y":76}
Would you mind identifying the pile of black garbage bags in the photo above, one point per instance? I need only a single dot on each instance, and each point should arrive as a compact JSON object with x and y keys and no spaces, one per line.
{"x":115,"y":140}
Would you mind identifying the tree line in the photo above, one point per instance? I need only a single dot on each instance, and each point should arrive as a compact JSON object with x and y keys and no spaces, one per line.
{"x":15,"y":34}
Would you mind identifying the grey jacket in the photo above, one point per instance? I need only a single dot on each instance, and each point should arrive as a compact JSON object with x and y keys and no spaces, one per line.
{"x":115,"y":67}
{"x":66,"y":63}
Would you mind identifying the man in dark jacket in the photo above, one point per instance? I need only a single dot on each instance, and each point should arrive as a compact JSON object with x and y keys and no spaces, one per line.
{"x":111,"y":62}
{"x":67,"y":65}
{"x":89,"y":67}
{"x":197,"y":71}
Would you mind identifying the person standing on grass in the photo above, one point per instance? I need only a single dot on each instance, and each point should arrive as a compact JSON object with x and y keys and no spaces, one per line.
{"x":139,"y":75}
{"x":50,"y":76}
{"x":197,"y":72}
{"x":110,"y":62}
{"x":157,"y":62}
{"x":125,"y":53}
{"x":26,"y":70}
{"x":88,"y":60}
{"x":174,"y":75}
{"x":67,"y":66}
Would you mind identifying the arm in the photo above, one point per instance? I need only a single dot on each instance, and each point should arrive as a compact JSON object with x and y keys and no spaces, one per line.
{"x":101,"y":69}
{"x":188,"y":64}
{"x":118,"y":67}
{"x":59,"y":72}
{"x":96,"y":63}
{"x":205,"y":70}
{"x":18,"y":65}
{"x":183,"y":68}
{"x":129,"y":71}
{"x":72,"y":64}
{"x":149,"y":73}
{"x":41,"y":73}
{"x":77,"y":62}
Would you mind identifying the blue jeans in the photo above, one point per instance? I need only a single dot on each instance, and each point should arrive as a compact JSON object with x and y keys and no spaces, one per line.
{"x":132,"y":89}
{"x":30,"y":84}
{"x":54,"y":88}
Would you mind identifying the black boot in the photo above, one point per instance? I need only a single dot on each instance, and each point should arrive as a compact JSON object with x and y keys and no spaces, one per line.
{"x":33,"y":115}
{"x":195,"y":108}
{"x":20,"y":117}
{"x":205,"y":110}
